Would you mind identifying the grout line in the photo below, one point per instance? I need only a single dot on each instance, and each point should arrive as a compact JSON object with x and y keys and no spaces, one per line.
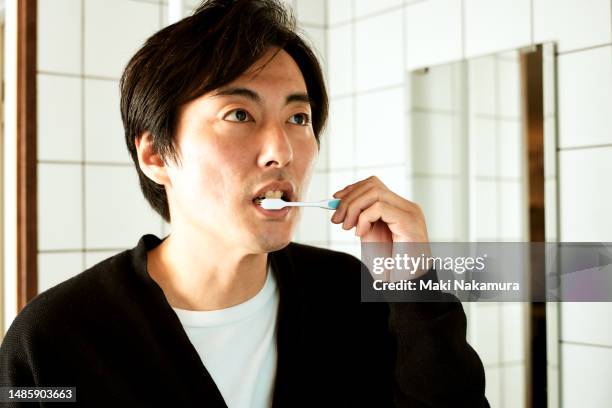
{"x":503,"y":364}
{"x":354,"y":72}
{"x":584,"y":344}
{"x":305,"y":24}
{"x":83,"y":250}
{"x":531,"y":24}
{"x":162,"y":229}
{"x":367,"y":91}
{"x":592,"y":47}
{"x":595,"y":146}
{"x":85,"y":163}
{"x":73,"y":75}
{"x":463,"y":30}
{"x":327,"y":133}
{"x":83,"y":147}
{"x":355,"y":19}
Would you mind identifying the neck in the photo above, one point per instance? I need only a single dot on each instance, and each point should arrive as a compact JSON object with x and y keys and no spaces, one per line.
{"x":201,"y":272}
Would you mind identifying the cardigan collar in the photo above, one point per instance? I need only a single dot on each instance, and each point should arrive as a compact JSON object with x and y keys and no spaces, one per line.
{"x":287,"y":323}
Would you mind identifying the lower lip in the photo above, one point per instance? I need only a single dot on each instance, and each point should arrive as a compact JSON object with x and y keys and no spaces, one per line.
{"x":272,"y":213}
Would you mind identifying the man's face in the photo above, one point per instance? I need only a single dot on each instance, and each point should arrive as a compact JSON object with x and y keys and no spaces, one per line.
{"x":233,"y":142}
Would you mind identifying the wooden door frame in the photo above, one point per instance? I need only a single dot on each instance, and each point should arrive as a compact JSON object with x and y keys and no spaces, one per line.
{"x":27,"y":197}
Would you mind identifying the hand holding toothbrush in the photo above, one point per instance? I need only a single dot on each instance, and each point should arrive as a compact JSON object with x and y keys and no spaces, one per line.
{"x":380,"y":215}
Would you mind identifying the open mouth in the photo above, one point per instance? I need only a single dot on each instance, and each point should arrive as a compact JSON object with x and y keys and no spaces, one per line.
{"x":282,"y":195}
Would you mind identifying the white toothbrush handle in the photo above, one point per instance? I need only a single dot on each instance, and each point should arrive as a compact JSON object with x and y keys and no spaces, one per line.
{"x":319,"y":204}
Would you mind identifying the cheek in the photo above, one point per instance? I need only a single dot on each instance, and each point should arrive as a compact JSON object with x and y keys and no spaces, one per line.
{"x":308,"y":155}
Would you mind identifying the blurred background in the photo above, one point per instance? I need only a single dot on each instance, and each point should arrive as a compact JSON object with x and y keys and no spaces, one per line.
{"x":435,"y":97}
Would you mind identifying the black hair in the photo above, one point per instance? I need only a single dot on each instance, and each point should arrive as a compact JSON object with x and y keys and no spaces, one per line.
{"x":201,"y":53}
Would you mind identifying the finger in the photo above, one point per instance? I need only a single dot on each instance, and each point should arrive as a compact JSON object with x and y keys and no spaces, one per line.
{"x":368,"y":198}
{"x":350,"y":187}
{"x":348,"y":201}
{"x":389,"y":214}
{"x":357,"y":189}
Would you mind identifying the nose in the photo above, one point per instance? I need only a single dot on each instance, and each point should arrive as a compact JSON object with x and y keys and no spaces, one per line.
{"x":276,"y":149}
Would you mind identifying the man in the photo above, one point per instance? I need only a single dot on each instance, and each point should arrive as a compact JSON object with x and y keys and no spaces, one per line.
{"x":219,"y":110}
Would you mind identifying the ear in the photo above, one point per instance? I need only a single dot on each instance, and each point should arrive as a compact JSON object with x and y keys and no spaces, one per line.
{"x":151,"y":163}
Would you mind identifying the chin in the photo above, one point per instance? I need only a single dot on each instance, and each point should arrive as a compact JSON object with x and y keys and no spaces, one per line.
{"x":272,"y":243}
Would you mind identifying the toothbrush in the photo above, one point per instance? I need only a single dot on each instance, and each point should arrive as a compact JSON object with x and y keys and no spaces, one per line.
{"x":278,"y":203}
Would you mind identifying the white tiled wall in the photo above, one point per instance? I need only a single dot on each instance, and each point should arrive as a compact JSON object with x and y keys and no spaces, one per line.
{"x":439,"y":31}
{"x":84,"y":170}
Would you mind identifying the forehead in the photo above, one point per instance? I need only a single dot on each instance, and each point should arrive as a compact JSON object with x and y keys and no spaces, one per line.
{"x":276,"y":67}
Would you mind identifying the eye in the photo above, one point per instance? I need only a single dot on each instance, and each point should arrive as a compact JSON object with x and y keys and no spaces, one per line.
{"x":302,"y":119}
{"x":238,"y":115}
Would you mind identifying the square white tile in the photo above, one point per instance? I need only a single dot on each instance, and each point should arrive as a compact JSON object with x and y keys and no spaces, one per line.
{"x":486,"y":330}
{"x":395,"y":178}
{"x":433,"y":143}
{"x":322,"y":160}
{"x":117,"y":213}
{"x":316,"y":37}
{"x":59,"y":118}
{"x":483,"y":142}
{"x":365,"y":8}
{"x":584,"y":322}
{"x":585,"y":195}
{"x":340,"y":60}
{"x":573,"y":24}
{"x":509,"y":86}
{"x":339,"y":11}
{"x":514,"y":321}
{"x":311,"y":11}
{"x":381,"y":133}
{"x":104,"y":134}
{"x":341,"y":133}
{"x":436,"y":196}
{"x":585,"y":97}
{"x":107,"y":51}
{"x":482,"y":85}
{"x":60,"y":201}
{"x":59,"y":36}
{"x":484,"y":212}
{"x":512,"y":151}
{"x":585,"y":377}
{"x":493,"y":386}
{"x":433,"y":33}
{"x":54,"y":268}
{"x":492,"y":26}
{"x":433,"y":89}
{"x":513,"y":210}
{"x":378,"y":51}
{"x":513,"y":385}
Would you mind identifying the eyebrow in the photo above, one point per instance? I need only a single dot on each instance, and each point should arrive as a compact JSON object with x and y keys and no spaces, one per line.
{"x":254,"y":96}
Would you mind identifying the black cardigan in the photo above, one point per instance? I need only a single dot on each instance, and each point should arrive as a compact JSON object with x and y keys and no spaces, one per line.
{"x":110,"y":333}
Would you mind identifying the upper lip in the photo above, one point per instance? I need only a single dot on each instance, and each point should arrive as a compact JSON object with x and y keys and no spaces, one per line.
{"x":284,"y":186}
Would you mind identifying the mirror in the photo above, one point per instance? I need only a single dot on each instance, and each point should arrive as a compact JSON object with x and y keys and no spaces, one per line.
{"x":483,"y":140}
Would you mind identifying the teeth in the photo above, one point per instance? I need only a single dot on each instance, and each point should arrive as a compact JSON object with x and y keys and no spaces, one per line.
{"x":273,"y":194}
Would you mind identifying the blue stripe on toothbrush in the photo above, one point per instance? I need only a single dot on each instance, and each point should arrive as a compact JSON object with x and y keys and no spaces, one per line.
{"x":334,"y":203}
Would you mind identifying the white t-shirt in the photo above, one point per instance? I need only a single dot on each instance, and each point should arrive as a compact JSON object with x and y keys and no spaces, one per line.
{"x":238,"y":347}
